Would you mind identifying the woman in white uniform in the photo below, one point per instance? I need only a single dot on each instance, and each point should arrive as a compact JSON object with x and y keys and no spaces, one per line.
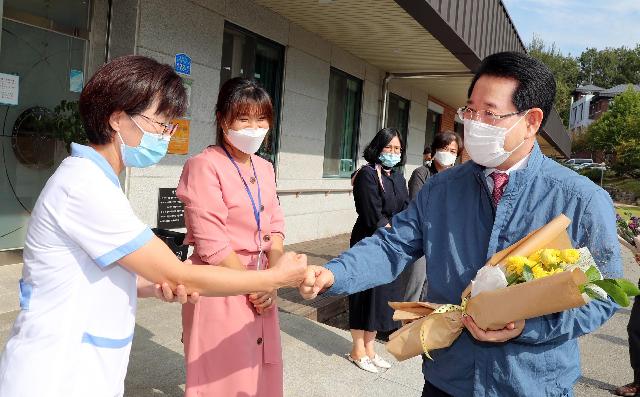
{"x":85,"y":249}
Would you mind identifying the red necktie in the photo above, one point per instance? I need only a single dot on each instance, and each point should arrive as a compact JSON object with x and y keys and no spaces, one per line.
{"x":500,"y":180}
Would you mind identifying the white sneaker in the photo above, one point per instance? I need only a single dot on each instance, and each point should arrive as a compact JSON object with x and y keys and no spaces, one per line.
{"x":364,"y":363}
{"x":380,"y":362}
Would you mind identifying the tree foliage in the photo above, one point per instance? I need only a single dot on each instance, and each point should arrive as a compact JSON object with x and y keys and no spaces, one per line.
{"x":565,"y":69}
{"x":605,"y":68}
{"x":610,"y":67}
{"x":617,"y":132}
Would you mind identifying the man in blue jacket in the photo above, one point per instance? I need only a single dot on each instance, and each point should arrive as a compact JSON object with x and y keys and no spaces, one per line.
{"x":463,"y":216}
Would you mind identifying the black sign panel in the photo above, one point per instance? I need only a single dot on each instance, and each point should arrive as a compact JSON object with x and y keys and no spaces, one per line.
{"x":170,"y":209}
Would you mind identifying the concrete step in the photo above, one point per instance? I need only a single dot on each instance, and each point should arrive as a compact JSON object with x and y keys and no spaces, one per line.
{"x":323,"y":308}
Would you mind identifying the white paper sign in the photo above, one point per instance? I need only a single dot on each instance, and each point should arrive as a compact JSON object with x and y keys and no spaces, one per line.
{"x":9,"y":85}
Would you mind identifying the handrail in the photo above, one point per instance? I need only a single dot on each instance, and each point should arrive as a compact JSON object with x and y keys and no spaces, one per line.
{"x":326,"y":191}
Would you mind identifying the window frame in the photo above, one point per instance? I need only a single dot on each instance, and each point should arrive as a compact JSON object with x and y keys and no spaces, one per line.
{"x":405,"y":133}
{"x":438,"y":127}
{"x":277,"y":98}
{"x":358,"y":125}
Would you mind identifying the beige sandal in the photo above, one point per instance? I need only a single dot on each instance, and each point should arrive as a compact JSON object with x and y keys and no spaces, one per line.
{"x":363,"y":363}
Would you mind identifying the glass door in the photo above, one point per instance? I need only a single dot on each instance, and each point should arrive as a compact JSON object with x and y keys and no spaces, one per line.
{"x":42,"y":63}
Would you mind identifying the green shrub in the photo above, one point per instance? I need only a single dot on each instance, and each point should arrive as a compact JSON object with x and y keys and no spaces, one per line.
{"x":592,"y":173}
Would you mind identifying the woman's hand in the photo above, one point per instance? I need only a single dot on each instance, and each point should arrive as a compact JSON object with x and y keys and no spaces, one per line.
{"x":147,"y":289}
{"x":289,"y":271}
{"x":263,"y":301}
{"x":164,"y":293}
{"x":638,"y":258}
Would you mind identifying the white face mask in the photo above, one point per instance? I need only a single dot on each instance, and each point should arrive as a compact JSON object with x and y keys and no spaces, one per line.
{"x":444,"y":158}
{"x":485,"y":142}
{"x":247,"y":140}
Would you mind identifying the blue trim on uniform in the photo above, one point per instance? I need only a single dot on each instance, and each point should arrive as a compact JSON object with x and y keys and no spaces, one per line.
{"x":90,"y":153}
{"x":25,"y":294}
{"x":125,"y":249}
{"x":108,"y":343}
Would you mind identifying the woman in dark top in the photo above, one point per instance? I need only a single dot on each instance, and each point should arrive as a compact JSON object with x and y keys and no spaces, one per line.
{"x":445,"y":149}
{"x":379,"y":193}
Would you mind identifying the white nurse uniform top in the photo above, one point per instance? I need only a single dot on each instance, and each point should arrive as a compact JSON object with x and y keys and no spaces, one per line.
{"x":73,"y":335}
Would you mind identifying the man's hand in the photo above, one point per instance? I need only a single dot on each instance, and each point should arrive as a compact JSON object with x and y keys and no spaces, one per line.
{"x":263,"y":301}
{"x":164,"y":293}
{"x":512,"y":330}
{"x":317,"y":280}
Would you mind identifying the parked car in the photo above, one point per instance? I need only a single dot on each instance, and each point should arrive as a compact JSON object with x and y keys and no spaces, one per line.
{"x":578,"y":161}
{"x":576,"y":164}
{"x":595,"y":166}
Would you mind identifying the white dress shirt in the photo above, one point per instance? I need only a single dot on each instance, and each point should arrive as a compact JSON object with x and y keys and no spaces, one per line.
{"x":517,"y":166}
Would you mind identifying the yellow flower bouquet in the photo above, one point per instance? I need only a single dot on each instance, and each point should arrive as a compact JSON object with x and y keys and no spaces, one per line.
{"x":549,"y":261}
{"x":543,"y":267}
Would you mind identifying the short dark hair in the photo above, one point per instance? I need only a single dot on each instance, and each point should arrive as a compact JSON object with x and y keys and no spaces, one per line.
{"x":536,"y":84}
{"x":240,"y":96}
{"x":129,"y":84}
{"x":427,"y":150}
{"x":444,"y":139}
{"x":382,"y":139}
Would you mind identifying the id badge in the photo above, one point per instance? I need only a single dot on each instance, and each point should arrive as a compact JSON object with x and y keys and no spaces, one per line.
{"x":259,"y":260}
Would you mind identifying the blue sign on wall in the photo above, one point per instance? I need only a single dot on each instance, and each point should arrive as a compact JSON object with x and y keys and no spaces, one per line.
{"x":183,"y":64}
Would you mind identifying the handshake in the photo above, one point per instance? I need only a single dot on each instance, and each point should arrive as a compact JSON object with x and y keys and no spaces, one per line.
{"x":292,"y":271}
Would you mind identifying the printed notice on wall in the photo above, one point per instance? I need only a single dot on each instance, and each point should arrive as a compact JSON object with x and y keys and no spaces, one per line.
{"x":76,"y":80}
{"x":179,"y":143}
{"x":9,"y":86}
{"x":170,"y":209}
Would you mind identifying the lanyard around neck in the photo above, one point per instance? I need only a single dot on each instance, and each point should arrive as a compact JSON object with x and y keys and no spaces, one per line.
{"x":256,"y":209}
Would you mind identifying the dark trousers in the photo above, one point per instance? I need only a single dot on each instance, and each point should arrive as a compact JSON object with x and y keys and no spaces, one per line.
{"x":432,"y":391}
{"x":633,"y":329}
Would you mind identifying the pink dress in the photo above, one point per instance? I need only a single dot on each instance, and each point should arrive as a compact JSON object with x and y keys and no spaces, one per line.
{"x":229,"y":349}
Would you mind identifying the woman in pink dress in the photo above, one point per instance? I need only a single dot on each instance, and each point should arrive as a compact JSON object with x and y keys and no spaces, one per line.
{"x":232,"y":344}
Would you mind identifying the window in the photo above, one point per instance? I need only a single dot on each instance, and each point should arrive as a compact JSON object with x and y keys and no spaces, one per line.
{"x":398,"y":116}
{"x":580,"y":112}
{"x":434,"y":120}
{"x":459,"y":128}
{"x":254,"y":57}
{"x":343,"y":125}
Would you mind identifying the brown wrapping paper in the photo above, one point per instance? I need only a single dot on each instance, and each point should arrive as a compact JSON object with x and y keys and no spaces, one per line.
{"x":492,"y":310}
{"x":441,"y":329}
{"x":535,"y":298}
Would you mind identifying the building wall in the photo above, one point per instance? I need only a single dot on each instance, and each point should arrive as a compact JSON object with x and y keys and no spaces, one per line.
{"x":447,"y":122}
{"x":197,"y":29}
{"x":579,"y":113}
{"x":598,"y":107}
